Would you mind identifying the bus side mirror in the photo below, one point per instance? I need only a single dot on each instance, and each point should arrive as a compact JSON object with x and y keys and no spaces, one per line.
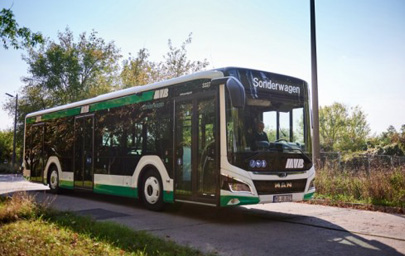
{"x":235,"y":89}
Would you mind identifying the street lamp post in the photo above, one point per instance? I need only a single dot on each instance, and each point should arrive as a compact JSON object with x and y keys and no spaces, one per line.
{"x":314,"y":69}
{"x":15,"y":123}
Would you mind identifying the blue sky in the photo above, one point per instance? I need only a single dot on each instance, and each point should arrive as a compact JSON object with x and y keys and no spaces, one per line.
{"x":361,"y":44}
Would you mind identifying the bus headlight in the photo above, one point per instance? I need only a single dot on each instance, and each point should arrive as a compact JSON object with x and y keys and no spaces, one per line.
{"x":239,"y":187}
{"x":234,"y":185}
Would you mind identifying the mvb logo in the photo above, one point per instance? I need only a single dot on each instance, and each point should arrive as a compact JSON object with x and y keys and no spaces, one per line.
{"x":293,"y":163}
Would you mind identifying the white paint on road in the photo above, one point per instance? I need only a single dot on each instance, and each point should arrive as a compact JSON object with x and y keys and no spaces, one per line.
{"x":10,"y":183}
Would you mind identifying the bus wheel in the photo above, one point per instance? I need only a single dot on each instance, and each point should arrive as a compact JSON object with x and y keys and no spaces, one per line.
{"x":152,"y":194}
{"x":54,"y":180}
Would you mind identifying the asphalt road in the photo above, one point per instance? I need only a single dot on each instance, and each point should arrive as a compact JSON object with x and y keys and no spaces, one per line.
{"x":272,"y":229}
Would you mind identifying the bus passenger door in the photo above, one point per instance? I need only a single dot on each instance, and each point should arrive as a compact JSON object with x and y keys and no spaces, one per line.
{"x":83,"y":155}
{"x":183,"y":149}
{"x":196,"y":150}
{"x":37,"y":152}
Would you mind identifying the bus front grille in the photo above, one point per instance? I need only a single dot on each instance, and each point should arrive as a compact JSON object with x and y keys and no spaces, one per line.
{"x":272,"y":187}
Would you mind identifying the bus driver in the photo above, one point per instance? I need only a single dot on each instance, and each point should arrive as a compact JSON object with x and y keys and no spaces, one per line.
{"x":260,"y":135}
{"x":260,"y":139}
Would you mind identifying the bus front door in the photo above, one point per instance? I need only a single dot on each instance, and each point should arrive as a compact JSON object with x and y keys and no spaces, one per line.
{"x":83,"y":160}
{"x":196,"y":149}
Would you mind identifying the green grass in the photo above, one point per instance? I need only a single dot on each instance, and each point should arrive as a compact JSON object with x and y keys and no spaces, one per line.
{"x":29,"y":229}
{"x":39,"y":237}
{"x":380,"y":186}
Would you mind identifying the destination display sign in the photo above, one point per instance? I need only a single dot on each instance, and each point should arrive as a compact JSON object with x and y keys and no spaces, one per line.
{"x":274,"y":86}
{"x":260,"y":82}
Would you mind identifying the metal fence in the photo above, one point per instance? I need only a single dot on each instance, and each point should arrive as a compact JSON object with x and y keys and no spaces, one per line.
{"x":365,"y":162}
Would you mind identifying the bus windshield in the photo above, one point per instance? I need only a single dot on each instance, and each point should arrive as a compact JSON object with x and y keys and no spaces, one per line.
{"x":260,"y":124}
{"x":271,"y":126}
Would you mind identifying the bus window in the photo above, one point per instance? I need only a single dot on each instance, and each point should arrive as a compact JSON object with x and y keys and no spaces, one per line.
{"x":284,"y":127}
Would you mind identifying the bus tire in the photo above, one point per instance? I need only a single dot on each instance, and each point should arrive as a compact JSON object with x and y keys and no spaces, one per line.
{"x":53,"y":180}
{"x":152,"y":190}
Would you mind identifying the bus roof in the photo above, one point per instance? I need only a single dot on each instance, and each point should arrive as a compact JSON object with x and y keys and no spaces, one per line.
{"x":132,"y":90}
{"x":209,"y":74}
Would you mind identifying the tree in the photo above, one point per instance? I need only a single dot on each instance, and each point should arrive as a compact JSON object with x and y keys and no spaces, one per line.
{"x":356,"y":133}
{"x":332,"y":122}
{"x":68,"y":71}
{"x":13,"y":35}
{"x":137,"y":71}
{"x":390,"y":142}
{"x":140,"y":70}
{"x":342,"y":129}
{"x":176,"y":62}
{"x":6,"y":145}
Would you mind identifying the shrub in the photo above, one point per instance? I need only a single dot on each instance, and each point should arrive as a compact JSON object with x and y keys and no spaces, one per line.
{"x":378,"y":186}
{"x":20,"y":205}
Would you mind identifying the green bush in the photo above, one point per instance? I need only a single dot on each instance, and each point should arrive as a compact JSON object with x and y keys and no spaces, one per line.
{"x":20,"y":206}
{"x":380,"y":186}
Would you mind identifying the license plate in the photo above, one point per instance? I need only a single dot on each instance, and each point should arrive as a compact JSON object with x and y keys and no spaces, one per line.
{"x":282,"y":198}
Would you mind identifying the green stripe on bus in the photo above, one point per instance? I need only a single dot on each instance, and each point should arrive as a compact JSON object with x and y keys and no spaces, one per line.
{"x":242,"y":200}
{"x":61,"y":113}
{"x":116,"y":190}
{"x":66,"y":184}
{"x":131,"y":99}
{"x":113,"y":103}
{"x":168,"y":196}
{"x":309,"y":196}
{"x":30,"y":120}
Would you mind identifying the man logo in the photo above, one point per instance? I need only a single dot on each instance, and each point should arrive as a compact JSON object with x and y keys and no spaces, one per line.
{"x":283,"y":185}
{"x":293,"y":163}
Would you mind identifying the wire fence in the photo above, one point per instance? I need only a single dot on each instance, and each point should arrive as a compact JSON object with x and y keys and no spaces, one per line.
{"x":366,"y":162}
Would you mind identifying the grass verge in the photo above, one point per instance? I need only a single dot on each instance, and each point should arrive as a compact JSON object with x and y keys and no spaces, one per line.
{"x":378,"y":187}
{"x":30,"y":229}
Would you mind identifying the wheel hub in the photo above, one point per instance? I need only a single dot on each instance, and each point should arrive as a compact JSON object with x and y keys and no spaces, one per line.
{"x":54,"y":179}
{"x":152,"y":190}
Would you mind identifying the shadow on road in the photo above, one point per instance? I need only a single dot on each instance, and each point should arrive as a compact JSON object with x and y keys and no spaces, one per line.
{"x":239,"y":230}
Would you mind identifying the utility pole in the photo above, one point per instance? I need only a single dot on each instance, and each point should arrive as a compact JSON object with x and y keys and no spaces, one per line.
{"x":314,"y":67}
{"x":15,"y":124}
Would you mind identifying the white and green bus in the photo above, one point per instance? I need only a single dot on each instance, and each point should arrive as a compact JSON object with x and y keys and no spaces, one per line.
{"x":192,"y":139}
